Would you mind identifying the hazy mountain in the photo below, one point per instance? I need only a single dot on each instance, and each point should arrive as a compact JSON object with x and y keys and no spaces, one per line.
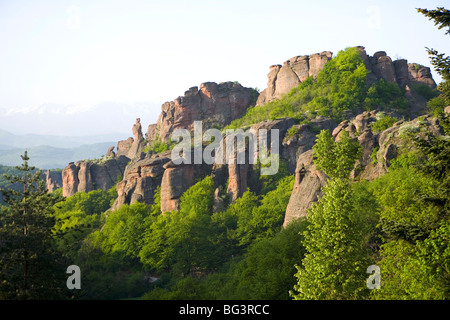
{"x":55,"y":135}
{"x":9,"y":140}
{"x":48,"y":157}
{"x":78,"y":120}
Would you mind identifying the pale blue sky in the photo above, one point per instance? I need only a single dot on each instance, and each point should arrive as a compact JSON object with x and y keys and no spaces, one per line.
{"x":86,"y":52}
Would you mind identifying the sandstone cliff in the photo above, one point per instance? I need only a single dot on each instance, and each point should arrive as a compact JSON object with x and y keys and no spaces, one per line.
{"x":85,"y":176}
{"x":214,"y":104}
{"x":53,"y":180}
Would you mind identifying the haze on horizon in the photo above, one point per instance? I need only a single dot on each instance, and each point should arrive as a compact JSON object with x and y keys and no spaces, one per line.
{"x":83,"y":67}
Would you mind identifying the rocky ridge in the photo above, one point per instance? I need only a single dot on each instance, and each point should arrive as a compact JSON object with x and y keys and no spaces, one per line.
{"x":140,"y":174}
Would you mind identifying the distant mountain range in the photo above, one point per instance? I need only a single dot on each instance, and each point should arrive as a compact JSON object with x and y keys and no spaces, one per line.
{"x":51,"y":152}
{"x":48,"y":157}
{"x":78,"y":120}
{"x":56,"y":134}
{"x":10,"y":140}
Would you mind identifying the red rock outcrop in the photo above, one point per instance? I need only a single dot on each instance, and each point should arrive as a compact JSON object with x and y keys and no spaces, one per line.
{"x":53,"y":180}
{"x":85,"y":176}
{"x":70,"y":180}
{"x":214,"y":104}
{"x":307,"y":188}
{"x":282,"y":78}
{"x":140,"y":180}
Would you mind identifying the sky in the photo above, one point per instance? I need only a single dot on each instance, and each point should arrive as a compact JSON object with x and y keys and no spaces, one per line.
{"x":75,"y":55}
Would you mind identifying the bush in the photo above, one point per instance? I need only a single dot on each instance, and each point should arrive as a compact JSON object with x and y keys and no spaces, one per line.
{"x":425,"y":91}
{"x":383,"y":123}
{"x":436,"y":105}
{"x":385,"y":95}
{"x":291,"y":132}
{"x":157,"y":146}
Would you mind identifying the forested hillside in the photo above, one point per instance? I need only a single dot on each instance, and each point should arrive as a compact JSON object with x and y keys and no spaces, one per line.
{"x":382,"y":179}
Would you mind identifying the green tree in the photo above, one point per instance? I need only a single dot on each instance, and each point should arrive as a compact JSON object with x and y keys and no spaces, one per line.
{"x":79,"y":215}
{"x":181,"y":240}
{"x":414,"y":219}
{"x":266,"y":270}
{"x":263,"y":218}
{"x":384,"y":95}
{"x":383,"y":122}
{"x":336,"y":242}
{"x":30,"y":265}
{"x":336,"y":158}
{"x":441,"y":63}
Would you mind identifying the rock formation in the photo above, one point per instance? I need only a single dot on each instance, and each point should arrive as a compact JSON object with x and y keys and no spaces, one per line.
{"x":214,"y":104}
{"x":132,"y":147}
{"x":53,"y":180}
{"x":139,"y":175}
{"x":307,"y":187}
{"x":282,"y":78}
{"x":140,"y":180}
{"x":85,"y":176}
{"x":110,"y":153}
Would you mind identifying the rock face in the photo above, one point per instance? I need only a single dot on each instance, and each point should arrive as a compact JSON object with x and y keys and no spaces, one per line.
{"x":70,"y":180}
{"x":140,"y":180}
{"x":282,"y":78}
{"x":214,"y":104}
{"x":85,"y":176}
{"x":53,"y":180}
{"x":307,"y":187}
